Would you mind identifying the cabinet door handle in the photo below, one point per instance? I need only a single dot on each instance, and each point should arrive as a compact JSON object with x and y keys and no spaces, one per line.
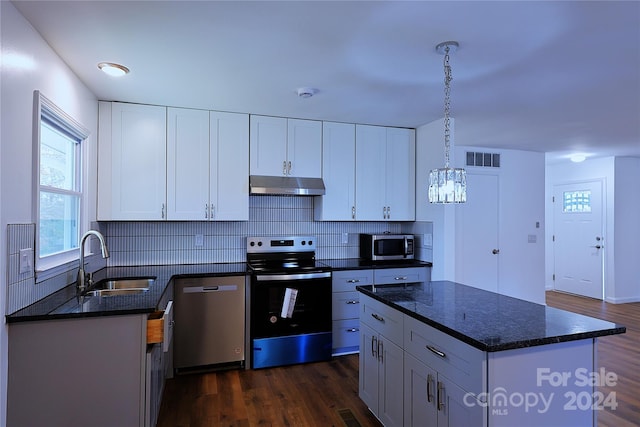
{"x":380,"y":351}
{"x":289,"y":168}
{"x":388,"y":212}
{"x":441,"y":396}
{"x":353,"y":330}
{"x":377,"y":317}
{"x":441,"y":404}
{"x":353,"y":281}
{"x":429,"y":394}
{"x":436,"y":351}
{"x":353,"y":301}
{"x":206,"y":211}
{"x":163,"y":211}
{"x":400,"y":278}
{"x":284,"y":167}
{"x":353,"y":212}
{"x":374,"y":347}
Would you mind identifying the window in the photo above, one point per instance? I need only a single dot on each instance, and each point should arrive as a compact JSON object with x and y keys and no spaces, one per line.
{"x":59,"y":184}
{"x":576,"y":201}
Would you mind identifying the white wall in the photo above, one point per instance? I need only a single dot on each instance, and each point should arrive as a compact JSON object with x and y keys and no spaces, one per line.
{"x":521,"y":214}
{"x":620,"y":177}
{"x":28,"y":64}
{"x":626,"y":223}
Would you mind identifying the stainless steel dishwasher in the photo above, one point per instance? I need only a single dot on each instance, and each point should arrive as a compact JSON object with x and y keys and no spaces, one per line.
{"x":209,"y":323}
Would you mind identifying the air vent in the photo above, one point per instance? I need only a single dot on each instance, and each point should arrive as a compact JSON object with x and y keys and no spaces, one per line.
{"x":489,"y":160}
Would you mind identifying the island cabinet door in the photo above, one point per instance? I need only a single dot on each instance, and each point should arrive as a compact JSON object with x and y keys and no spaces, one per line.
{"x":456,"y":407}
{"x":419,"y":393}
{"x":368,"y":371}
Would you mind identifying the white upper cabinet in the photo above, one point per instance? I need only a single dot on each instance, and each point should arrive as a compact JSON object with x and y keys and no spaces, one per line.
{"x":285,"y":147}
{"x":338,"y":173}
{"x":158,"y":163}
{"x":187,"y":164}
{"x":207,"y":166}
{"x":229,"y":166}
{"x":132,"y":149}
{"x":385,"y":173}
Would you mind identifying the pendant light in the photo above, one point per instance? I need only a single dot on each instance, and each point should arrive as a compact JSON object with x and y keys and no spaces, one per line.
{"x":447,"y":185}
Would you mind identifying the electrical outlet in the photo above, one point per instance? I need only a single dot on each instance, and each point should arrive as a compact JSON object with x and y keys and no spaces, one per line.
{"x":26,"y":260}
{"x":427,"y":240}
{"x":345,"y":238}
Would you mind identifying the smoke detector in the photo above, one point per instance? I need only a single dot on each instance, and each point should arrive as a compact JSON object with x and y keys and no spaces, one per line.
{"x":306,"y":92}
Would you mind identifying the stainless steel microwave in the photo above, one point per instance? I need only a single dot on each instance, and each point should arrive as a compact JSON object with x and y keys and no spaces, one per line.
{"x":386,"y":247}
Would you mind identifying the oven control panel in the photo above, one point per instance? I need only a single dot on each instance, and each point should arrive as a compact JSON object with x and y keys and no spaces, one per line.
{"x":281,"y":244}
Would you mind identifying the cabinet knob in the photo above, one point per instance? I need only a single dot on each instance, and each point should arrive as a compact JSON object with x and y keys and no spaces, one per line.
{"x":495,"y":251}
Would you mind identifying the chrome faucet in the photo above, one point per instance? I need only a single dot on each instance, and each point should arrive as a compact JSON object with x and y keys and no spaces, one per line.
{"x":85,"y":279}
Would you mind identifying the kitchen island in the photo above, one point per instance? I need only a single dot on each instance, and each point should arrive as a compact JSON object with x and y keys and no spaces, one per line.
{"x":444,"y":354}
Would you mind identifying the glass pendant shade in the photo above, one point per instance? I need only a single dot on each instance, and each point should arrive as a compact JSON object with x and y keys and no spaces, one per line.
{"x":448,"y":185}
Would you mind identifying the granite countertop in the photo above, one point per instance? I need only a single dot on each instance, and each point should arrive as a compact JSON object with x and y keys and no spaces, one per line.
{"x":487,"y":320}
{"x":64,"y":304}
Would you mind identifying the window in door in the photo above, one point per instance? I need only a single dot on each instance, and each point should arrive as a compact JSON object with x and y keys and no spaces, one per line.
{"x":59,"y":184}
{"x":576,"y":201}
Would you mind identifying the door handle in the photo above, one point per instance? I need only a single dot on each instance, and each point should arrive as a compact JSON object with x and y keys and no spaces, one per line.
{"x":597,"y":246}
{"x":495,"y":251}
{"x":377,"y":317}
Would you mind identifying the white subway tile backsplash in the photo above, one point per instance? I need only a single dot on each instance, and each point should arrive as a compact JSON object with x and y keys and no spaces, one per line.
{"x":163,"y":243}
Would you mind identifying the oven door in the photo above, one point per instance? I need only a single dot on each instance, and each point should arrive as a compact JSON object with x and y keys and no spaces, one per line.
{"x":290,"y":318}
{"x":290,"y":304}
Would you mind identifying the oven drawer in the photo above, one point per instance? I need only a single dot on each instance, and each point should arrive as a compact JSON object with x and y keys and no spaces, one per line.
{"x":346,"y":305}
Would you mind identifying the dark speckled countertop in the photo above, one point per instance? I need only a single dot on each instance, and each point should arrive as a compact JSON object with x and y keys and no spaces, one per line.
{"x":64,"y":304}
{"x":487,"y":320}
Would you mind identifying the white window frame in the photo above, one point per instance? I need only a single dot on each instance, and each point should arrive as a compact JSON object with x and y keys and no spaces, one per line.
{"x":48,"y":266}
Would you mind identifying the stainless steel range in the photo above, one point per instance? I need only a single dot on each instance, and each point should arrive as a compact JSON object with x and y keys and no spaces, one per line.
{"x":290,"y":302}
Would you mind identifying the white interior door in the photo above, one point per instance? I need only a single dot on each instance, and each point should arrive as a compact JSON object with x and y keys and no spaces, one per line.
{"x":578,"y":238}
{"x":477,"y":250}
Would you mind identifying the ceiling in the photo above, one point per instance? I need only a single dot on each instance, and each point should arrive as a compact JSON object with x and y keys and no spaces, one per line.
{"x":549,"y":76}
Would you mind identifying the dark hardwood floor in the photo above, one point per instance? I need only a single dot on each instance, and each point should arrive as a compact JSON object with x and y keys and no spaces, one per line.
{"x":315,"y":394}
{"x":326,"y":394}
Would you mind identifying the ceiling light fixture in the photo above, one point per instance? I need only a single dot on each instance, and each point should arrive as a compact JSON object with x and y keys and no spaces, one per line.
{"x":306,"y":92}
{"x":447,"y":185}
{"x":112,"y":69}
{"x":578,"y":158}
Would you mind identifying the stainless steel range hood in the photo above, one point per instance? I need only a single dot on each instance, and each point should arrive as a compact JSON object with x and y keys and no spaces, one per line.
{"x":286,"y":185}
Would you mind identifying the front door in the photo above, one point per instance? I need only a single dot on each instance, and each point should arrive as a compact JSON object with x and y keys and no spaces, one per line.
{"x":578,"y":238}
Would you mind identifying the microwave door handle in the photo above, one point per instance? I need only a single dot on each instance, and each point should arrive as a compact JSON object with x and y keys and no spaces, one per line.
{"x":406,"y":246}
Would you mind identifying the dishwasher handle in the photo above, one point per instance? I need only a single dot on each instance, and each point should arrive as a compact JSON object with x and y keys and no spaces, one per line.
{"x":208,"y":288}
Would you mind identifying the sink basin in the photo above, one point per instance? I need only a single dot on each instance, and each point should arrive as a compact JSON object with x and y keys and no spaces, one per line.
{"x":113,"y":292}
{"x":124,"y":286}
{"x":128,"y":283}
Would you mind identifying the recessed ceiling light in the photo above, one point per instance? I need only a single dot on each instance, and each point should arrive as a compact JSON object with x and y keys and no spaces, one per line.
{"x":578,"y":158}
{"x":306,"y":92}
{"x":112,"y":69}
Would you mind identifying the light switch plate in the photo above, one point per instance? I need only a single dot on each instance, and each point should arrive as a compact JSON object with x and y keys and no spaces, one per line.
{"x":26,"y":260}
{"x":427,"y":240}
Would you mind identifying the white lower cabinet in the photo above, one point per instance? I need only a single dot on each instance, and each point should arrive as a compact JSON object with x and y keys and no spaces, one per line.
{"x":442,"y":379}
{"x":346,"y":308}
{"x":381,"y":361}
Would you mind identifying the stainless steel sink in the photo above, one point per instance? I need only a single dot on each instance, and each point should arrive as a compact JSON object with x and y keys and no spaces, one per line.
{"x":124,"y":286}
{"x":113,"y":292}
{"x":128,"y":283}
